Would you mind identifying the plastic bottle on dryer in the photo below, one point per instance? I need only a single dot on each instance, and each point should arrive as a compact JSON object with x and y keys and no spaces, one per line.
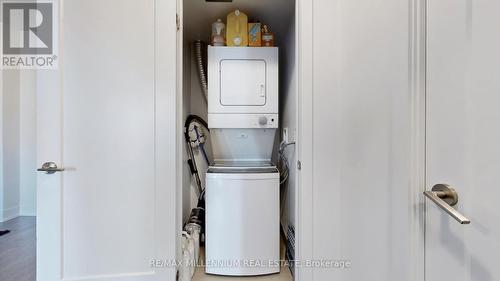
{"x":237,"y":29}
{"x":218,"y":33}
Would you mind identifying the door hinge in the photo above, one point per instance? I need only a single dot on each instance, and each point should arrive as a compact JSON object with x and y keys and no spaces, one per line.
{"x":178,"y":22}
{"x":299,"y":165}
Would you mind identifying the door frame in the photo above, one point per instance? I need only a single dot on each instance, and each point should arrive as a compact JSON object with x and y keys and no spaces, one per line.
{"x":304,"y":227}
{"x":417,"y":86}
{"x":417,"y":91}
{"x":299,"y":13}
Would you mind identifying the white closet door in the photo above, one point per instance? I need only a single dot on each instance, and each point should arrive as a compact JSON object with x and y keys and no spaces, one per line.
{"x":463,"y":137}
{"x":358,"y":133}
{"x":107,"y":115}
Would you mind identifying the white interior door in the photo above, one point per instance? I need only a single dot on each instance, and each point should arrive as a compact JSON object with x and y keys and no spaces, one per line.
{"x":355,"y":141}
{"x":463,"y":138}
{"x":107,"y":116}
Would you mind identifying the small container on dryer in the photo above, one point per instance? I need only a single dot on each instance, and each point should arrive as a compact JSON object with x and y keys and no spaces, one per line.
{"x":254,"y":34}
{"x":267,"y":37}
{"x":218,"y":33}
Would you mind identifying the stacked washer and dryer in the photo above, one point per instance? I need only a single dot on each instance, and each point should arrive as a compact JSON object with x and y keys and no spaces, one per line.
{"x":242,"y":184}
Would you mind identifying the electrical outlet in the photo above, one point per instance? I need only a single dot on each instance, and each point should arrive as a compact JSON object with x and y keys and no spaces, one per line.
{"x":285,"y":134}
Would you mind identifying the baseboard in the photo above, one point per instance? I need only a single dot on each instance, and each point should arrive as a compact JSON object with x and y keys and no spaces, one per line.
{"x":27,"y":212}
{"x":10,"y":213}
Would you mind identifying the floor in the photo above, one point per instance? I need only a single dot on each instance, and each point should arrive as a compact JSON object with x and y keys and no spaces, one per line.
{"x":18,"y":250}
{"x":284,"y":274}
{"x":18,"y":256}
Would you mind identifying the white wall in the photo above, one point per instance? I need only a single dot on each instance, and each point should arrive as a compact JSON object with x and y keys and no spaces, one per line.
{"x":186,"y":108}
{"x":27,"y":184}
{"x":1,"y":144}
{"x":193,"y":104}
{"x":10,"y":144}
{"x":198,"y":104}
{"x":288,"y":114}
{"x":18,"y":144}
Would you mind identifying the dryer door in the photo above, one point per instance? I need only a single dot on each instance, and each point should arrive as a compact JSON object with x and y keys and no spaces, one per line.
{"x":243,"y":82}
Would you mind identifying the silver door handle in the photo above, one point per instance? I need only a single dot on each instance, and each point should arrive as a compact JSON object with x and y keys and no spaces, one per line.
{"x":445,"y":196}
{"x":50,"y":168}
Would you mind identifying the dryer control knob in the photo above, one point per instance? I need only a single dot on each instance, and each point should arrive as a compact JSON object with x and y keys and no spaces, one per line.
{"x":263,"y":120}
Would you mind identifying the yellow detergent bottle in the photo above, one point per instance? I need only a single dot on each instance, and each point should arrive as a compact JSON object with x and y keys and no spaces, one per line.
{"x":237,"y":29}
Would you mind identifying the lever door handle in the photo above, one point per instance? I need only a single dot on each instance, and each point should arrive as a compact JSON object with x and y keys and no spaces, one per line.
{"x":50,"y":168}
{"x":445,"y":197}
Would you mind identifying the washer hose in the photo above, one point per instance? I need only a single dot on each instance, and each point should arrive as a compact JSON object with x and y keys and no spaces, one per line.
{"x":198,"y":50}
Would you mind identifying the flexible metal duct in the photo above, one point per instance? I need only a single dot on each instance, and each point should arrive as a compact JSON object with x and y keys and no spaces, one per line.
{"x":198,"y":49}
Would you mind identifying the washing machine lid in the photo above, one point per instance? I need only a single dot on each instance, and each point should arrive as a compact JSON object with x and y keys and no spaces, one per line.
{"x":241,"y":164}
{"x":242,"y":167}
{"x":241,"y":170}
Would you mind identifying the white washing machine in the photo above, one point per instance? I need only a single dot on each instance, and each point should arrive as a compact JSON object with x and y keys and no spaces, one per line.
{"x":242,"y":185}
{"x":242,"y":220}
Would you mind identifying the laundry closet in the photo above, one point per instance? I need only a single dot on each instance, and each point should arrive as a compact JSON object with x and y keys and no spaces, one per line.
{"x":237,"y":89}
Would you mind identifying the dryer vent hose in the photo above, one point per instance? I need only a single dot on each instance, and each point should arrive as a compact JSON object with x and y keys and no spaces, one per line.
{"x":199,"y":50}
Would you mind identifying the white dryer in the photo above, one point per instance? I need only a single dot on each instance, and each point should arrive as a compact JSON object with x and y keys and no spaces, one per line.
{"x":243,"y":87}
